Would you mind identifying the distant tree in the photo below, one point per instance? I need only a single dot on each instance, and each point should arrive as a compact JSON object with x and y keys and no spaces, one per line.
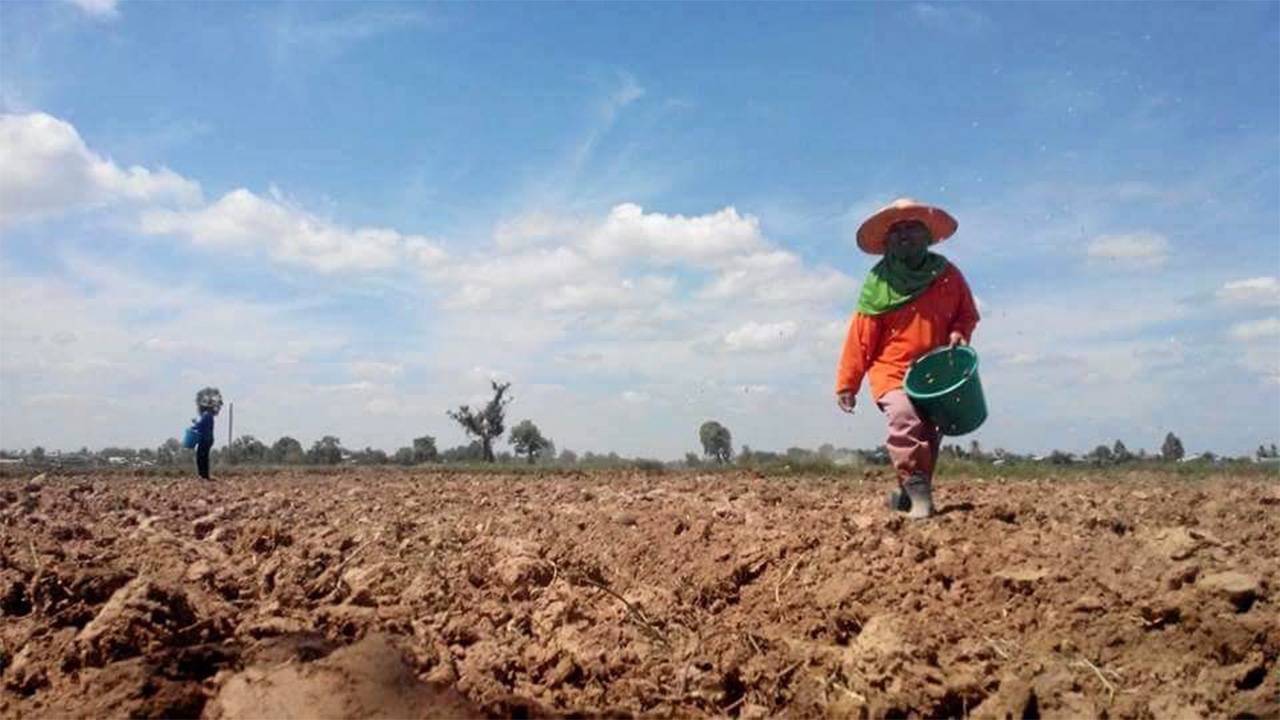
{"x":568,"y":457}
{"x":36,"y":456}
{"x":1121,"y":453}
{"x":527,"y":440}
{"x":826,"y":451}
{"x":1262,"y":452}
{"x":763,"y":457}
{"x":246,"y":450}
{"x":372,"y":456}
{"x":1209,"y":457}
{"x":799,"y":455}
{"x":167,"y":453}
{"x":1102,"y":455}
{"x":717,"y":442}
{"x":975,"y":450}
{"x":109,"y":452}
{"x":878,"y":456}
{"x":692,"y":460}
{"x":1274,"y":453}
{"x":287,"y":451}
{"x":404,"y":456}
{"x":471,"y":452}
{"x":326,"y":451}
{"x":1172,"y":450}
{"x":173,"y":454}
{"x":424,"y":450}
{"x":649,"y":465}
{"x":486,"y":424}
{"x":1057,"y":457}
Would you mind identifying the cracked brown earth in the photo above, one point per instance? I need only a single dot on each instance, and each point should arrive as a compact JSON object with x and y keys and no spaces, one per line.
{"x":386,"y":594}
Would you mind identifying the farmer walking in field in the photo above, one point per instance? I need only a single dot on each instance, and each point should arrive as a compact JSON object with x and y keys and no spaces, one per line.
{"x":913,"y":301}
{"x":208,"y":403}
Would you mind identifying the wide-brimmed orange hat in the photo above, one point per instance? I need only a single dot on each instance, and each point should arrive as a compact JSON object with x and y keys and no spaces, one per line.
{"x":871,"y":235}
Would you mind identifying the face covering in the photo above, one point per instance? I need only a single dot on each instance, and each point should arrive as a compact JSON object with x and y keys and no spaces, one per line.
{"x":906,"y":270}
{"x":910,"y":252}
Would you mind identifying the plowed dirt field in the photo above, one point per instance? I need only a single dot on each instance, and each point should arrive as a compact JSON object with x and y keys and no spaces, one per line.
{"x":624,"y":594}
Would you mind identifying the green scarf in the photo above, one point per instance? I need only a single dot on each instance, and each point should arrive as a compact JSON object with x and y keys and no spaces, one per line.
{"x":892,"y":283}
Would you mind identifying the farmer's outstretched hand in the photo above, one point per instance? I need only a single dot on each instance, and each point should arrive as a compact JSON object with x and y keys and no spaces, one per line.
{"x":957,"y":339}
{"x":847,"y":400}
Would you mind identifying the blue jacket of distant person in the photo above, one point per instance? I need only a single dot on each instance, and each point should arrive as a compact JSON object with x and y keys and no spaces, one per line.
{"x":204,"y":424}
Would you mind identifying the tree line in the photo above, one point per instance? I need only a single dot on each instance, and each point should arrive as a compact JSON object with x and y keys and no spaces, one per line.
{"x":485,"y":426}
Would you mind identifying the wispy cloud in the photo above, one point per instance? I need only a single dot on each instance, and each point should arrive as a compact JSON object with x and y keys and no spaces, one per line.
{"x":375,"y":370}
{"x":1254,"y":292}
{"x":1254,"y":330}
{"x":951,"y":16}
{"x":98,"y":9}
{"x":624,"y":94}
{"x":301,"y":39}
{"x":1136,"y":249}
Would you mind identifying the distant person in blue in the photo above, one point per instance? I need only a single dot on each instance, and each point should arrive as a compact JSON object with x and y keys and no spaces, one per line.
{"x":208,"y":404}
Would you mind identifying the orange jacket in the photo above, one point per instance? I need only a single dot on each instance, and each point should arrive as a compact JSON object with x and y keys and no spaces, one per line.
{"x":884,"y":345}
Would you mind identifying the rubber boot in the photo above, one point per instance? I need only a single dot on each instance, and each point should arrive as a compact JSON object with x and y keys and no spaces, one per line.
{"x":898,"y":500}
{"x":919,"y":490}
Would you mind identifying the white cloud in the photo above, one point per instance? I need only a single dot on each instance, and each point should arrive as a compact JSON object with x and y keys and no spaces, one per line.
{"x":1254,"y":330}
{"x":536,"y":228}
{"x":634,"y":398}
{"x":1138,"y":191}
{"x":628,"y":232}
{"x":1259,"y":291}
{"x":374,"y":370}
{"x":585,"y":300}
{"x":760,"y":337}
{"x":165,"y":346}
{"x":1142,"y":249}
{"x":1259,"y":348}
{"x":361,"y":387}
{"x":588,"y":265}
{"x":638,"y":293}
{"x":101,"y":9}
{"x":46,"y":169}
{"x":425,"y":253}
{"x":488,"y":374}
{"x":136,"y":343}
{"x":240,"y":219}
{"x":777,"y":276}
{"x":558,"y":277}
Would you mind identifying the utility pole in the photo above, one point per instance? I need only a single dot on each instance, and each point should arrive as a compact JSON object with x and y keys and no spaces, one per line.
{"x":231,"y":422}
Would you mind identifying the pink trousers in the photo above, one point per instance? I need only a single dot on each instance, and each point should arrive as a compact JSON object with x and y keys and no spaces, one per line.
{"x":913,"y":443}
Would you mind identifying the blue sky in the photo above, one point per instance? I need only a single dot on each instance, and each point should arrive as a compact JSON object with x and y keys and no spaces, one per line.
{"x":350,"y":216}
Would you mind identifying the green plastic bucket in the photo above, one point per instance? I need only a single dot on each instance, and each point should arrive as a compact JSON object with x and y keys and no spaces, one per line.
{"x":945,"y":388}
